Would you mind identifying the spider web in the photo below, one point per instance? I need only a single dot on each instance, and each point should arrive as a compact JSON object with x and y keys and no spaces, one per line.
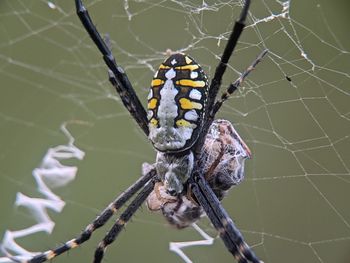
{"x":293,"y":112}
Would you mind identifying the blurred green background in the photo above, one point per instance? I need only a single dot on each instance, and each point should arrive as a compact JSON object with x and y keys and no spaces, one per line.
{"x":294,"y":203}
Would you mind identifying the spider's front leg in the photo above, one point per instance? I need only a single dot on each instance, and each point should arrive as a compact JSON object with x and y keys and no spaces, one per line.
{"x":117,"y":75}
{"x":219,"y":72}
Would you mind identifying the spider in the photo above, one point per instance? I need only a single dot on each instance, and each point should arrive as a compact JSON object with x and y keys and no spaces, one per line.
{"x":198,"y":158}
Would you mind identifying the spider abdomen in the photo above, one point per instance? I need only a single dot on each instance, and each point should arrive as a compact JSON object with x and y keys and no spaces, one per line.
{"x":176,"y":104}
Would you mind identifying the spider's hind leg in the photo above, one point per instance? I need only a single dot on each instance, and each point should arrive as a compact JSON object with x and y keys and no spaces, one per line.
{"x":229,"y":233}
{"x":122,"y":220}
{"x":101,"y":220}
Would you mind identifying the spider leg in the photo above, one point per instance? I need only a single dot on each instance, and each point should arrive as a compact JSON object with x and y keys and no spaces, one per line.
{"x":122,"y":221}
{"x":111,"y":209}
{"x":230,"y":245}
{"x":117,"y":75}
{"x":234,"y":85}
{"x":219,"y":72}
{"x":229,"y":233}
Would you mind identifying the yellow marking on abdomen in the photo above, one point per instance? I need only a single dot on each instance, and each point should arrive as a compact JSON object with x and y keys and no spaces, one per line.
{"x":152,"y":104}
{"x":157,"y":82}
{"x":188,"y":60}
{"x":189,"y":67}
{"x":186,"y":104}
{"x":162,"y":66}
{"x":183,"y":123}
{"x":191,"y":83}
{"x":153,"y":122}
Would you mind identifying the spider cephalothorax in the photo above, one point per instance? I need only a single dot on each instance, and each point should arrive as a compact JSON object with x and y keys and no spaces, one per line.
{"x":222,"y":162}
{"x":198,"y":158}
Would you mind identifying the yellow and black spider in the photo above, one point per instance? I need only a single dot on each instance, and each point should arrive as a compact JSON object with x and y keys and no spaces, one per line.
{"x":198,"y":158}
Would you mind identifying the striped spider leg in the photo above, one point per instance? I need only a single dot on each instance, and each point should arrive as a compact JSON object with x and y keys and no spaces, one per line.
{"x":145,"y":183}
{"x":122,"y":220}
